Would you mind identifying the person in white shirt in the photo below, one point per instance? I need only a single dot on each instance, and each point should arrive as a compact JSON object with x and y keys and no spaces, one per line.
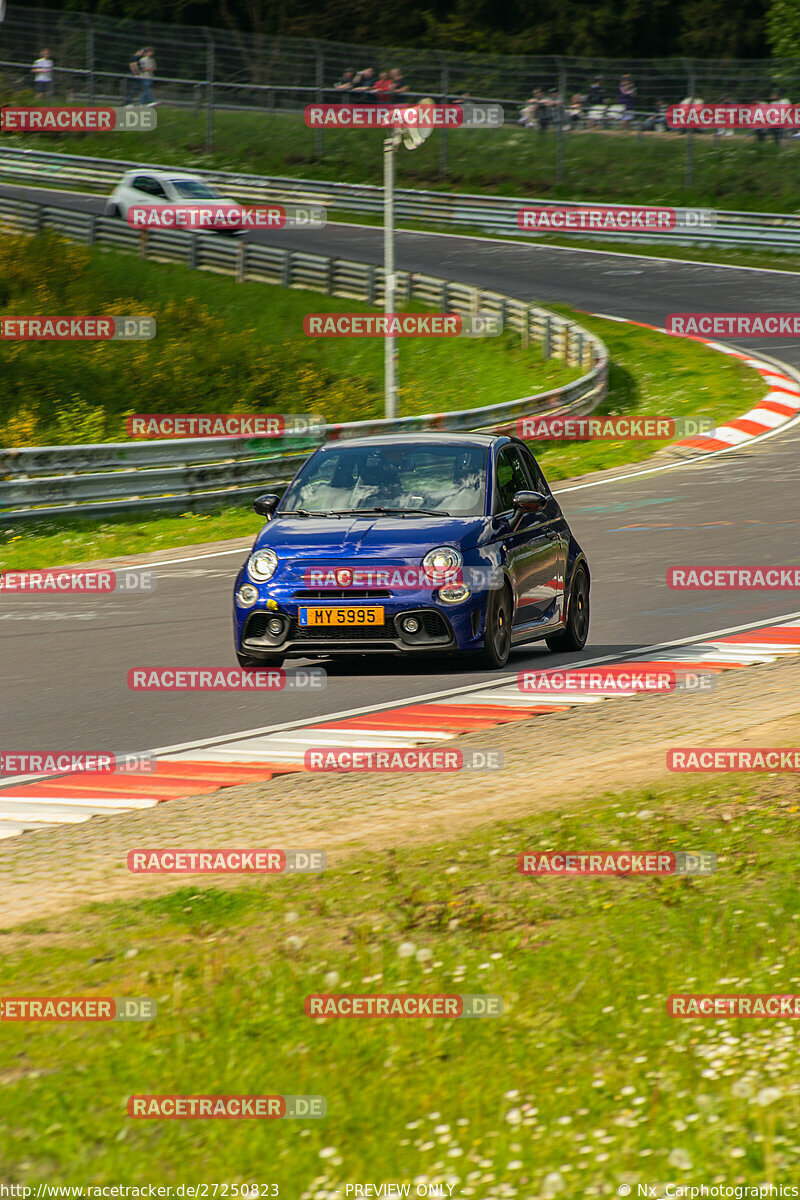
{"x":43,"y":74}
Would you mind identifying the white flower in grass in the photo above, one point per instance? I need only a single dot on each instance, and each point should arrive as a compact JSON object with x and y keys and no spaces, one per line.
{"x":553,"y":1183}
{"x":328,"y":1152}
{"x":767,"y":1096}
{"x":737,"y":1152}
{"x":294,"y":943}
{"x":331,"y":979}
{"x":424,"y":955}
{"x":513,"y":1116}
{"x":290,"y":918}
{"x":406,"y":950}
{"x":680,"y":1159}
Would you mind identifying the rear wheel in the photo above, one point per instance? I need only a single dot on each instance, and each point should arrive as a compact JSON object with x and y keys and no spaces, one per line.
{"x":113,"y":211}
{"x":259,"y":664}
{"x":576,"y":631}
{"x":497,"y":635}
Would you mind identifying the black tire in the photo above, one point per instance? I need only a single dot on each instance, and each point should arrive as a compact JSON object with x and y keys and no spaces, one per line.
{"x":576,"y":631}
{"x":497,"y":635}
{"x":112,"y":211}
{"x":260,"y":664}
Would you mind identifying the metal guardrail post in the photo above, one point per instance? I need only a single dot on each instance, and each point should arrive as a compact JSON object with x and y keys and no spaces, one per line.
{"x":191,"y":252}
{"x":525,"y":331}
{"x":241,"y":262}
{"x":371,"y":281}
{"x":547,"y":338}
{"x":91,"y":232}
{"x":209,"y":39}
{"x":286,"y":269}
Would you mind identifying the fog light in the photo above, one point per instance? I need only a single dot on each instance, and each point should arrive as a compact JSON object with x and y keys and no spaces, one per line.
{"x":454,"y":595}
{"x":410,"y":625}
{"x":275,"y":626}
{"x":247,"y":595}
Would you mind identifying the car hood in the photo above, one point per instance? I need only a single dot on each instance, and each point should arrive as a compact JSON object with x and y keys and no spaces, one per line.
{"x":347,"y":539}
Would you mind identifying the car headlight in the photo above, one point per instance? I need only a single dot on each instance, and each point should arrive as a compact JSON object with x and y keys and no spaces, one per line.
{"x":262,"y":565}
{"x":444,"y":560}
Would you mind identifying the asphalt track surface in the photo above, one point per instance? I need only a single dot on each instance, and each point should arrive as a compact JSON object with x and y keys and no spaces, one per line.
{"x":65,"y":659}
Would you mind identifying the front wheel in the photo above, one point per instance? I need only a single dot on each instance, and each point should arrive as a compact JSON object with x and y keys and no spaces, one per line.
{"x":259,"y":664}
{"x":576,"y":631}
{"x":497,"y":635}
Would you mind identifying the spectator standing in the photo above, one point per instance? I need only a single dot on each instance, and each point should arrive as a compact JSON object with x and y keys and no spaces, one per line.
{"x":133,"y":92}
{"x":383,"y":85}
{"x":626,"y":96}
{"x":345,"y":83}
{"x":597,"y":92}
{"x":43,"y":74}
{"x":365,"y":83}
{"x":147,"y":69}
{"x":398,"y":82}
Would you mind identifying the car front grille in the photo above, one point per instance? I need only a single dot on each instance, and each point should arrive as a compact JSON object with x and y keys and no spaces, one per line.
{"x":341,"y":633}
{"x":342,"y":594}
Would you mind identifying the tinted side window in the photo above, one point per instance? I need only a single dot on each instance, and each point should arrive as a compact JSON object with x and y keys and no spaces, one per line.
{"x":511,"y":478}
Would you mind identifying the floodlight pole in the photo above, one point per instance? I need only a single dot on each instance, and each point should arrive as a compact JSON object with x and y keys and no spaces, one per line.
{"x":390,"y":342}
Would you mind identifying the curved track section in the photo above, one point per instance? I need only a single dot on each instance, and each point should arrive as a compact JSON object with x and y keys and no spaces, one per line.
{"x":66,"y":660}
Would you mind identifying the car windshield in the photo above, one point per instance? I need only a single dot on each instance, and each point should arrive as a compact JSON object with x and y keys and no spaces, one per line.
{"x":194,"y":189}
{"x":449,"y":479}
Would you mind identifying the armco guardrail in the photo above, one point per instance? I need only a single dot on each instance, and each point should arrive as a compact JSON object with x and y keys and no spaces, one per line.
{"x":493,"y":214}
{"x":188,"y":474}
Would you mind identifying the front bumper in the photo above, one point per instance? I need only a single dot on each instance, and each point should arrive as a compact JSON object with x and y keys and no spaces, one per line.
{"x":442,"y":627}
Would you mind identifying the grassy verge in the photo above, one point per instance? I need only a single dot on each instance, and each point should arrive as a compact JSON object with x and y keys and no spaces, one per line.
{"x":731,"y":173}
{"x":220,"y":346}
{"x":584,"y":1084}
{"x":650,"y":374}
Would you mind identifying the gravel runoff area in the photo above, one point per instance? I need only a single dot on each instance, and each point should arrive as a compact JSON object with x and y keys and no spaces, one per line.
{"x":549,"y":762}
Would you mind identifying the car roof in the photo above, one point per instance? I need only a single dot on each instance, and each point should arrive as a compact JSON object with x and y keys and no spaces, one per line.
{"x":155,"y":173}
{"x":419,"y":439}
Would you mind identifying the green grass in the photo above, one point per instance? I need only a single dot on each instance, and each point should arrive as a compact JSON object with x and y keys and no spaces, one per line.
{"x":733,"y":173}
{"x":220,"y":346}
{"x":584,"y":1075}
{"x":650,"y":374}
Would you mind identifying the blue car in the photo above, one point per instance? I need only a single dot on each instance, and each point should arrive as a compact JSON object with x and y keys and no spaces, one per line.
{"x":412,"y":544}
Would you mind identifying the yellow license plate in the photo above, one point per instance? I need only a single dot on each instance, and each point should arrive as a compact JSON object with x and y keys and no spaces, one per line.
{"x":334,"y":617}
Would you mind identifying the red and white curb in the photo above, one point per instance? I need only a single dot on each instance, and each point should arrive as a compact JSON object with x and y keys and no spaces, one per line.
{"x":780,"y":405}
{"x":258,"y":756}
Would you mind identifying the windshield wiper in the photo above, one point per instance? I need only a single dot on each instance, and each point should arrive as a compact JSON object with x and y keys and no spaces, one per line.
{"x":296,"y":512}
{"x":358,"y":512}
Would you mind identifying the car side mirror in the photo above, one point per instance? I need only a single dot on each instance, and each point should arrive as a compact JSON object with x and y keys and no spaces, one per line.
{"x":529,"y":502}
{"x":265,"y":505}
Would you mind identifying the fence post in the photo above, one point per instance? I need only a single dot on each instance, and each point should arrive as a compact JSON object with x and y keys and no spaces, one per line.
{"x":286,"y":269}
{"x":191,"y":252}
{"x":444,"y":84}
{"x":562,"y":90}
{"x":209,"y":90}
{"x":688,"y":171}
{"x":319,"y":57}
{"x":547,"y":339}
{"x":89,"y":59}
{"x":525,"y":332}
